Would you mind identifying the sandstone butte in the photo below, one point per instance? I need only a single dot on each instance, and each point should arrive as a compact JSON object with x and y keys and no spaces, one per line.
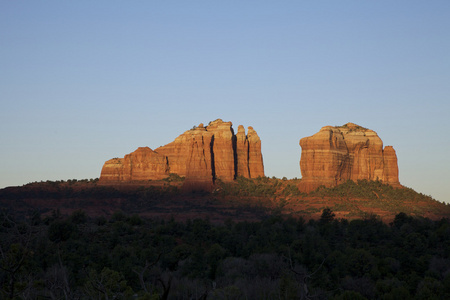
{"x":337,"y":154}
{"x":201,"y":155}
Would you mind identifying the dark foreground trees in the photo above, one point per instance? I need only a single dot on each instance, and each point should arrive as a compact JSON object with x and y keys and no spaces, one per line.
{"x":128,"y":257}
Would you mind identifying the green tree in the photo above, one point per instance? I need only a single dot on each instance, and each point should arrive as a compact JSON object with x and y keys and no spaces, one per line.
{"x":78,"y":217}
{"x":327,"y":216}
{"x":108,"y":284}
{"x":60,"y":231}
{"x":430,"y":288}
{"x":350,"y":295}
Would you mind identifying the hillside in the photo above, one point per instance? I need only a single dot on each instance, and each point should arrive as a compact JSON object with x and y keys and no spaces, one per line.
{"x":244,"y":199}
{"x":245,"y":240}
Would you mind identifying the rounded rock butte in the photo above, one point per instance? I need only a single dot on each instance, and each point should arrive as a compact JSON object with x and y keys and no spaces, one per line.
{"x":349,"y":152}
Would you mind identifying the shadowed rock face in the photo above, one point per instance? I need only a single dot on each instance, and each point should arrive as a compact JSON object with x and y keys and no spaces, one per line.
{"x":199,"y":161}
{"x":202,"y":155}
{"x":337,"y":154}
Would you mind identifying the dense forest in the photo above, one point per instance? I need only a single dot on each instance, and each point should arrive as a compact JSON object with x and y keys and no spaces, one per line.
{"x":131,"y":257}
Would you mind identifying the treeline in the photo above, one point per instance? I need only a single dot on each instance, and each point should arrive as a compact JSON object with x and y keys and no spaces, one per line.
{"x":260,"y":187}
{"x":130,"y":257}
{"x":56,"y":190}
{"x":365,"y":189}
{"x":373,"y":195}
{"x":69,"y":181}
{"x":370,"y":189}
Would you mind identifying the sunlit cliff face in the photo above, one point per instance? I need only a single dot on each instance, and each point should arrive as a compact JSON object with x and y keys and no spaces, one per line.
{"x":202,"y":155}
{"x":349,"y":152}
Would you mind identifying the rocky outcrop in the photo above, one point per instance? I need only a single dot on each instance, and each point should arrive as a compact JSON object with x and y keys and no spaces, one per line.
{"x":337,"y":154}
{"x":391,"y":166}
{"x":202,"y":155}
{"x":142,"y":164}
{"x":324,"y":159}
{"x":223,"y":150}
{"x":255,"y":160}
{"x":177,"y":153}
{"x":199,"y":162}
{"x":112,"y":170}
{"x":241,"y":141}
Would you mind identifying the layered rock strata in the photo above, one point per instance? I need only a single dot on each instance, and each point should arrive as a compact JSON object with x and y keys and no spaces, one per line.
{"x":223,"y":149}
{"x":142,"y":164}
{"x":202,"y":155}
{"x":241,"y":142}
{"x":337,"y":154}
{"x":199,"y":161}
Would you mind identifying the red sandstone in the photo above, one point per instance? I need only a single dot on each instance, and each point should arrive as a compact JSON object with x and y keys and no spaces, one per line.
{"x":337,"y":154}
{"x":202,"y":155}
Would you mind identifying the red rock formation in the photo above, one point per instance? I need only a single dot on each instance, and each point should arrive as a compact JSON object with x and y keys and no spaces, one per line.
{"x":142,"y":164}
{"x":177,"y":153}
{"x":255,"y":160}
{"x":202,"y":155}
{"x":242,"y":153}
{"x":199,"y":167}
{"x":391,"y":167}
{"x":336,"y":154}
{"x":324,"y":159}
{"x":112,"y":170}
{"x":223,"y":150}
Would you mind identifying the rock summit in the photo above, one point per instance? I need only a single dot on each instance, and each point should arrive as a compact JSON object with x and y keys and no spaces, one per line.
{"x":349,"y":152}
{"x":202,"y":155}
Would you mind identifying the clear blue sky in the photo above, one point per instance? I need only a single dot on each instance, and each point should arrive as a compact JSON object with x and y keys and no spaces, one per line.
{"x":84,"y":81}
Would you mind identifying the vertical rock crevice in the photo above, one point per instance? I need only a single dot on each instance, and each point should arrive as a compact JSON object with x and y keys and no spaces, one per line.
{"x":213,"y":165}
{"x":235,"y":171}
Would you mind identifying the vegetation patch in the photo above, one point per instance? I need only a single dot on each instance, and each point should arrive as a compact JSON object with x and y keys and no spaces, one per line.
{"x":127,"y":256}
